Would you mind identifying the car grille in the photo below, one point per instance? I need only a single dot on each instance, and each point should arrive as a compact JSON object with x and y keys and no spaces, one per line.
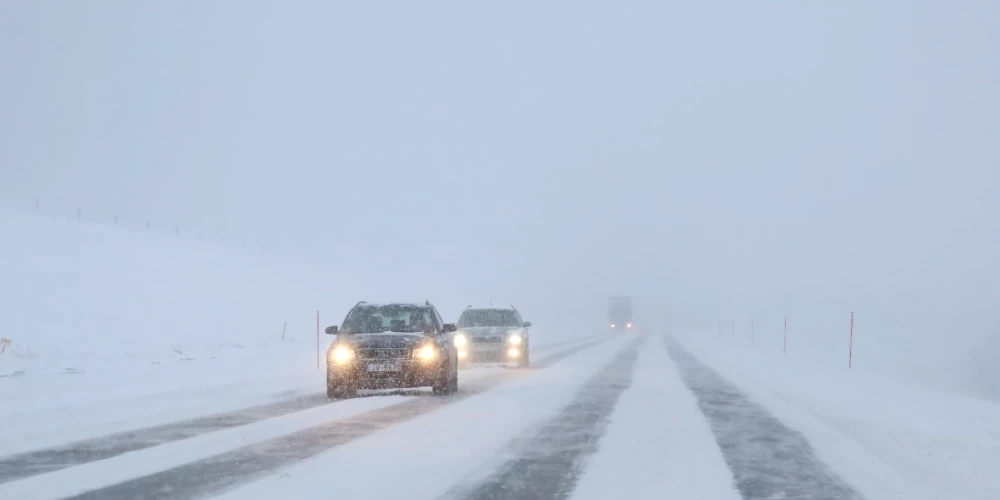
{"x":384,"y":353}
{"x":495,"y":339}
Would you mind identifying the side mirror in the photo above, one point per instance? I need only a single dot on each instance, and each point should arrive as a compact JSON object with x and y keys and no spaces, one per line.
{"x":527,"y":324}
{"x":450,"y":327}
{"x":331,"y":330}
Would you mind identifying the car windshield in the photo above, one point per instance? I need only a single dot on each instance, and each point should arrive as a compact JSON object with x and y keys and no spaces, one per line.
{"x":488,"y":317}
{"x":389,"y":318}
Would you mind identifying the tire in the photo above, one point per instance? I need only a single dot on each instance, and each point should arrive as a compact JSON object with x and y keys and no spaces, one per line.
{"x":525,"y":360}
{"x":443,"y":385}
{"x":454,"y":381}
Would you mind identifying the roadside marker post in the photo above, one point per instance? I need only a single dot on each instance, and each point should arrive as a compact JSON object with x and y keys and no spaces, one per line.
{"x":850,"y":352}
{"x":784,"y":343}
{"x":317,"y":339}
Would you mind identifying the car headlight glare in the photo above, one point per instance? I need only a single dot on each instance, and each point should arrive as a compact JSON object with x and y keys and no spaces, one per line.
{"x":515,"y":339}
{"x":426,"y":353}
{"x":461,"y":340}
{"x":342,"y":354}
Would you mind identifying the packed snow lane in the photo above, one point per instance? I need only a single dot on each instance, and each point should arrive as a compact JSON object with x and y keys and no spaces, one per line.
{"x":78,"y":453}
{"x":460,"y":444}
{"x":889,"y":439}
{"x":658,"y":443}
{"x":213,"y":474}
{"x":768,"y":459}
{"x":50,"y":459}
{"x":547,"y":464}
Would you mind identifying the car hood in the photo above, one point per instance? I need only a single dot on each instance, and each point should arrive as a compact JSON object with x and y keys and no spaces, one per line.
{"x":387,"y":340}
{"x":489,"y":331}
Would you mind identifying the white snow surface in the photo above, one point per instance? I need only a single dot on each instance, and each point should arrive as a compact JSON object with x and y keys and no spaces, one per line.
{"x":887,"y":439}
{"x":114,"y":329}
{"x":458,"y":444}
{"x":658,"y":444}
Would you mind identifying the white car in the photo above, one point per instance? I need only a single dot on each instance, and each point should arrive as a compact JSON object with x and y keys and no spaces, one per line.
{"x":492,"y":334}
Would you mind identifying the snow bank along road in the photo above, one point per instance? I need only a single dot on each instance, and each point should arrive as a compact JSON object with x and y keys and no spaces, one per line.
{"x":595,"y":418}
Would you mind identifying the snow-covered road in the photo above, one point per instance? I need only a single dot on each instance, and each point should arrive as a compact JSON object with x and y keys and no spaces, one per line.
{"x":594,"y":418}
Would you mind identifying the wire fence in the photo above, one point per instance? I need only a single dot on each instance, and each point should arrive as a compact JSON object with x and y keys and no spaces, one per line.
{"x":129,"y":221}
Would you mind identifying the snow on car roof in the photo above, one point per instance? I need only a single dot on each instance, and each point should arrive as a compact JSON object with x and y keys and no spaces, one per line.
{"x":401,"y":303}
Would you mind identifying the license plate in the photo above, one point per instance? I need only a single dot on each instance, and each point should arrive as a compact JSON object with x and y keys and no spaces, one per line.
{"x":383,"y":367}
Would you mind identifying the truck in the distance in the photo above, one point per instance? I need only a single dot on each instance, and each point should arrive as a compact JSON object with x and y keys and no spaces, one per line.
{"x":620,"y":312}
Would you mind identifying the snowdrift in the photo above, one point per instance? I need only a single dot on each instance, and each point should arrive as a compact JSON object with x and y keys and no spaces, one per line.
{"x":75,"y":295}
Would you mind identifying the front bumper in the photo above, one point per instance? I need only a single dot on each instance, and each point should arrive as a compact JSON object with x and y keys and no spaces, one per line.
{"x":496,"y":353}
{"x":358,"y":373}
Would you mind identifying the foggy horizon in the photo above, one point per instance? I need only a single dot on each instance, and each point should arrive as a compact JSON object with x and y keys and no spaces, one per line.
{"x":743,"y":161}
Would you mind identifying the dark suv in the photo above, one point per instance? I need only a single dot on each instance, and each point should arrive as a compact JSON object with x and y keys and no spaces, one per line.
{"x":387,"y":346}
{"x":492,"y":334}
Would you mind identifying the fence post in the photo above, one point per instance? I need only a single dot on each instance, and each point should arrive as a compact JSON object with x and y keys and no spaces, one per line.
{"x":850,"y":352}
{"x":784,"y":344}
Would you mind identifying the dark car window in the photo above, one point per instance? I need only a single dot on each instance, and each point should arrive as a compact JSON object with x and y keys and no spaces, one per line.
{"x":396,"y":318}
{"x":472,"y":318}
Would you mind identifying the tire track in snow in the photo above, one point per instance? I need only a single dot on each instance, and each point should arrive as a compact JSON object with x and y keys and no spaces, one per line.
{"x":549,"y":463}
{"x":768,"y":459}
{"x":215,"y":474}
{"x":24,"y":465}
{"x":52,"y":459}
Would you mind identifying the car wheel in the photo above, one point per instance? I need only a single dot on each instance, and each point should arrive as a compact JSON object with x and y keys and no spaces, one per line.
{"x":442,"y":385}
{"x":453,"y":387}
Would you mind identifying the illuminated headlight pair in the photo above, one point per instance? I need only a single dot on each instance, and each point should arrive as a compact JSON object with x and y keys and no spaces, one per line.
{"x":341,"y":354}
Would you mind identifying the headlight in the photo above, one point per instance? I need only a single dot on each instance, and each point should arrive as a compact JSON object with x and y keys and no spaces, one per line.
{"x":461,"y":339}
{"x":342,"y":354}
{"x":426,"y":353}
{"x":629,"y":325}
{"x":513,"y":352}
{"x":612,"y":325}
{"x":514,"y":339}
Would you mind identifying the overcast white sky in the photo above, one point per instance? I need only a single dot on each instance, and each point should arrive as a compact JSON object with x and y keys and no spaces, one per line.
{"x":709,"y":158}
